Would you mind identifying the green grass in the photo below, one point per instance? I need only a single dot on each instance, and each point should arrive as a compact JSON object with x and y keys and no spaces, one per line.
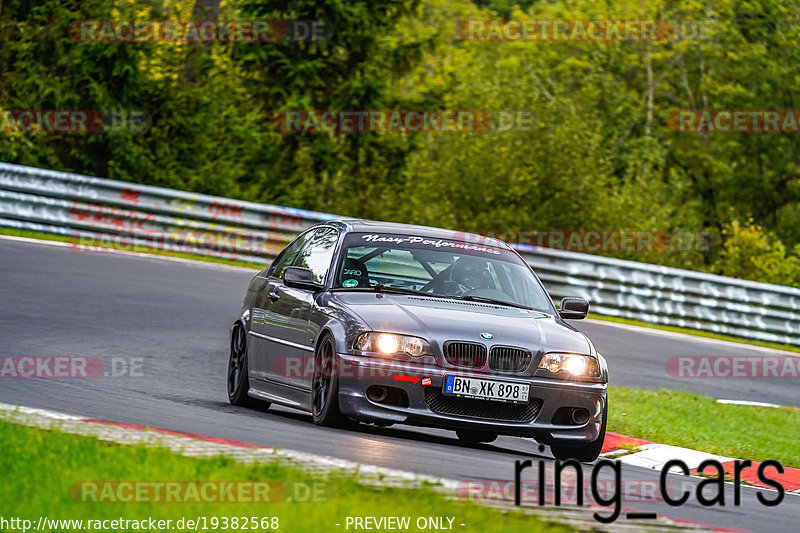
{"x":39,"y":467}
{"x":63,"y":238}
{"x":697,"y":332}
{"x":698,"y":422}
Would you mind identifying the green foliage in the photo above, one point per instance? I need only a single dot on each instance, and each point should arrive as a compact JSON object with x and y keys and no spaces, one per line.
{"x":751,"y":253}
{"x":597,"y":154}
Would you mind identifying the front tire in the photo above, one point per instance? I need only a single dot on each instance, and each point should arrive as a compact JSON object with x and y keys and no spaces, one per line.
{"x":586,"y":453}
{"x":238,"y":382}
{"x":325,"y":386}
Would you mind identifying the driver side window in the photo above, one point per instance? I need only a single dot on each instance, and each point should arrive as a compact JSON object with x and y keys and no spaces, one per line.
{"x":286,"y":257}
{"x":318,"y":253}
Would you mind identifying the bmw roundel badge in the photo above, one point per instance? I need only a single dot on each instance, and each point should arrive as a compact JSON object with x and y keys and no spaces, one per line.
{"x":487,"y":336}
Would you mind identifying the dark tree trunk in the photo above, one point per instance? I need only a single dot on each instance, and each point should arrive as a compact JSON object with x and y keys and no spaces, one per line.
{"x":203,"y":10}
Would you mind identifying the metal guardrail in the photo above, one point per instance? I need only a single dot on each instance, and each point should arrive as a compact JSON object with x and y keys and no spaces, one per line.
{"x":672,"y":296}
{"x":96,"y":210}
{"x":93,"y":210}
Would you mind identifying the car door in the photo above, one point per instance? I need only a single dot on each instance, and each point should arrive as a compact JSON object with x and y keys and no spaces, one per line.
{"x":290,"y":345}
{"x":264,"y":297}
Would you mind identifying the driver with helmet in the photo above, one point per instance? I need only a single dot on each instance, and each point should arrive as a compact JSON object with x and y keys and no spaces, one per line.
{"x":470,"y":273}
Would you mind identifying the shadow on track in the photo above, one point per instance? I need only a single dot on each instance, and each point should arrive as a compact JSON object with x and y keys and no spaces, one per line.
{"x":413,"y":433}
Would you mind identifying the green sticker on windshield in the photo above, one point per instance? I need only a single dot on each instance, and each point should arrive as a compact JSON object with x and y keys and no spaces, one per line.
{"x":349,"y":283}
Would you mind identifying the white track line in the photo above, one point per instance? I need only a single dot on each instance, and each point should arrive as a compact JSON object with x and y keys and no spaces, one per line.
{"x":748,"y":402}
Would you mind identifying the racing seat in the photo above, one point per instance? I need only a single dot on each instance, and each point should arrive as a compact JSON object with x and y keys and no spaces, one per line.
{"x":353,"y":269}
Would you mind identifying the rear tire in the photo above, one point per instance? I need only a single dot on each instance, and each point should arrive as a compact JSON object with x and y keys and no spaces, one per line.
{"x":238,"y":382}
{"x":476,"y":436}
{"x":325,"y":386}
{"x":586,"y":453}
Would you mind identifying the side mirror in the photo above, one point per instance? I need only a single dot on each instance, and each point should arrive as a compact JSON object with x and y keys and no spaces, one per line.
{"x":574,"y":308}
{"x":300,"y":278}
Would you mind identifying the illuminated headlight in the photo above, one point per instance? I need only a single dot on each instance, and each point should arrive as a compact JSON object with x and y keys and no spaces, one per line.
{"x":571,"y":364}
{"x":391,"y":344}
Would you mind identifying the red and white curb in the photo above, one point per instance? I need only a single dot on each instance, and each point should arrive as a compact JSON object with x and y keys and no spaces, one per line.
{"x":196,"y":445}
{"x":646,"y":454}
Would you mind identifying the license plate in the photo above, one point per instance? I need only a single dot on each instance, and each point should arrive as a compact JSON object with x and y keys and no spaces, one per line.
{"x":486,"y":389}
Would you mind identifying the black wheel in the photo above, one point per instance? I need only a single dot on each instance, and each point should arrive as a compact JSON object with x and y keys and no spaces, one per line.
{"x":586,"y":453}
{"x":325,"y":386}
{"x":475,"y":436}
{"x":238,"y":382}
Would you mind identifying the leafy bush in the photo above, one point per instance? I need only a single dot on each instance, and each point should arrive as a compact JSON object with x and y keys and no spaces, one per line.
{"x":750,"y":252}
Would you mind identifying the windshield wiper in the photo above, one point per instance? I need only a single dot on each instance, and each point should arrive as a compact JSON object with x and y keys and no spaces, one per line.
{"x":492,"y":301}
{"x":388,"y":289}
{"x":380,"y":287}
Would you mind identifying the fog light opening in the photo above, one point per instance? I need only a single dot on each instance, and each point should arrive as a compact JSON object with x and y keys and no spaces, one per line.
{"x":376,"y":394}
{"x":580,"y":416}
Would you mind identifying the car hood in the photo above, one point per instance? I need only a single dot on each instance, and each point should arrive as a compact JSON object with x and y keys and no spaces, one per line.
{"x":442,"y":319}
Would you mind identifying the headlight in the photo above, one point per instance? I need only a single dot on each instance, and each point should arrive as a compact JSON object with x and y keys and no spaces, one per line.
{"x":571,"y":364}
{"x":391,"y":344}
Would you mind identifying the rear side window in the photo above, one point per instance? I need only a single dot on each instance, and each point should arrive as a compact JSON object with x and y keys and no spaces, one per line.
{"x":288,"y":254}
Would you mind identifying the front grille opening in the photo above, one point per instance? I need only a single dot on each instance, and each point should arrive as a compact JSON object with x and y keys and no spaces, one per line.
{"x":465,"y":354}
{"x":508,"y":359}
{"x":482,"y":409}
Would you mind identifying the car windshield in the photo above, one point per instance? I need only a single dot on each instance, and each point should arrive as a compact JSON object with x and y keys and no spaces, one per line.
{"x":438,"y":267}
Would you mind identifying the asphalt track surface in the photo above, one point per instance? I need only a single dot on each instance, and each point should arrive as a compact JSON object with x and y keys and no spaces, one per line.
{"x":175,"y":315}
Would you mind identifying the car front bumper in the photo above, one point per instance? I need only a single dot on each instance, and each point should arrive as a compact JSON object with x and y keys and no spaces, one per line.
{"x":357,"y":374}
